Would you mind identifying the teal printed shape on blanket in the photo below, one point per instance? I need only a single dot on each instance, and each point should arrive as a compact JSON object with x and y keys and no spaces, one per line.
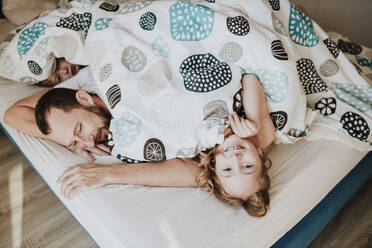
{"x":42,"y":46}
{"x":364,"y":62}
{"x":29,"y":36}
{"x":160,"y":47}
{"x":125,"y":129}
{"x":102,"y":23}
{"x":300,"y":28}
{"x":6,"y":63}
{"x":190,"y":22}
{"x":358,"y":96}
{"x":275,"y":84}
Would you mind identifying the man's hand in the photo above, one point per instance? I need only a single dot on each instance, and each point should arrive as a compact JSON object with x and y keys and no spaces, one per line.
{"x":88,"y":153}
{"x":82,"y":177}
{"x":243,"y":128}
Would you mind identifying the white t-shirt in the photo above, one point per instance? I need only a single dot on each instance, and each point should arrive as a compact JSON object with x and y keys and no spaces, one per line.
{"x":82,"y":81}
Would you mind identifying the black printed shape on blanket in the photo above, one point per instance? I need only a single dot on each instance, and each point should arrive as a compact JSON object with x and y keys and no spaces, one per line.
{"x":332,"y":47}
{"x":326,"y":105}
{"x":76,"y":22}
{"x":279,"y":119}
{"x":349,"y":47}
{"x":278,"y":51}
{"x":311,"y":81}
{"x":147,"y":21}
{"x":275,"y":4}
{"x":355,"y":125}
{"x":204,"y":73}
{"x":109,"y":7}
{"x":34,"y":67}
{"x":238,"y":25}
{"x":238,"y":104}
{"x":113,"y":95}
{"x":129,"y":160}
{"x":154,"y":150}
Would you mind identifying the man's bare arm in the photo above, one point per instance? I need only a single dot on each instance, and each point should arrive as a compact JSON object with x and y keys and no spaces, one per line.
{"x":21,"y":115}
{"x":169,"y":173}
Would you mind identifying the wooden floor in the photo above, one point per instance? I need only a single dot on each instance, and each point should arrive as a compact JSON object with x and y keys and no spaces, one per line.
{"x":31,"y":216}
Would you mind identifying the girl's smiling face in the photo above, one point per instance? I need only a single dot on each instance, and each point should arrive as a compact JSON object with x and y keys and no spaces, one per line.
{"x":239,"y":166}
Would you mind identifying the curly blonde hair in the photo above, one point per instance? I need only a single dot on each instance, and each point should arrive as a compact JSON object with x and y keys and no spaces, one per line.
{"x":256,"y":205}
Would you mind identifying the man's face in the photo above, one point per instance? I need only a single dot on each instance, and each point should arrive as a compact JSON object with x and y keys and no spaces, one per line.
{"x":78,"y":128}
{"x":64,"y":70}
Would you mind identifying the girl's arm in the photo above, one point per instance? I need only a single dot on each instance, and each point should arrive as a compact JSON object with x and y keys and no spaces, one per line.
{"x":255,"y":108}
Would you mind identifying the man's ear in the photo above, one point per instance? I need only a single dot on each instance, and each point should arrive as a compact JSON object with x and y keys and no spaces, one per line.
{"x":84,"y":98}
{"x":260,"y":152}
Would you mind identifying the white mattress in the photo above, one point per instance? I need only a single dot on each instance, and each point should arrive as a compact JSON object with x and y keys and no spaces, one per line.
{"x":128,"y":216}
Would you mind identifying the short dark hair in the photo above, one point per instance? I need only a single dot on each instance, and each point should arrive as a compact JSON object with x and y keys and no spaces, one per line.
{"x":60,"y":98}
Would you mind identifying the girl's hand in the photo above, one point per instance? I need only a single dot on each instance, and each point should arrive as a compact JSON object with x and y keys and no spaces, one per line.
{"x":243,"y":128}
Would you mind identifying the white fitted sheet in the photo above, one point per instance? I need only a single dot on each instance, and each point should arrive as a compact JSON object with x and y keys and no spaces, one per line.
{"x":128,"y":216}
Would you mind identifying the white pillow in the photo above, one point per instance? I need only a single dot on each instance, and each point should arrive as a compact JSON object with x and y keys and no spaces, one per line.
{"x":22,"y":11}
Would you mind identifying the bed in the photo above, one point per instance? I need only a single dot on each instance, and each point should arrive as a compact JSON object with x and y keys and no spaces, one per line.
{"x":128,"y":216}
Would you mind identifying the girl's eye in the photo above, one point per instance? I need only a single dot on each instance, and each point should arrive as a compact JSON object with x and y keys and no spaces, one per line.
{"x":247,"y":166}
{"x":226,"y":169}
{"x":79,"y":130}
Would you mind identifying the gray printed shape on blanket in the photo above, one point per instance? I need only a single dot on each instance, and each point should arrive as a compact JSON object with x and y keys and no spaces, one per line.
{"x":355,"y":125}
{"x":311,"y":81}
{"x":154,"y":79}
{"x":231,"y":52}
{"x":133,"y":6}
{"x":278,"y":25}
{"x":133,"y":59}
{"x":105,"y":72}
{"x":328,"y":68}
{"x":204,"y":73}
{"x":216,"y":109}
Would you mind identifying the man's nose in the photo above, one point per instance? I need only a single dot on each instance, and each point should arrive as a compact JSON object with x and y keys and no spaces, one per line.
{"x":86,"y":142}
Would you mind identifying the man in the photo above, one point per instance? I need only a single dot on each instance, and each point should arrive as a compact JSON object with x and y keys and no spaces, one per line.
{"x":81,"y":124}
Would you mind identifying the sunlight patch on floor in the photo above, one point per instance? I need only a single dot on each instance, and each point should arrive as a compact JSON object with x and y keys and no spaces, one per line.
{"x":16,"y":202}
